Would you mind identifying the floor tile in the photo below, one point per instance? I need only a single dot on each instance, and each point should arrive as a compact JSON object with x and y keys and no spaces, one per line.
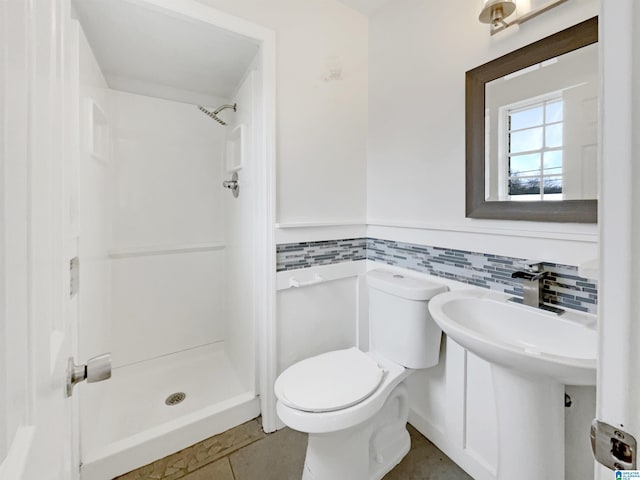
{"x":425,"y":462}
{"x":279,"y":456}
{"x":221,"y":445}
{"x":247,"y":453}
{"x":177,"y":465}
{"x":219,"y":470}
{"x":153,"y":471}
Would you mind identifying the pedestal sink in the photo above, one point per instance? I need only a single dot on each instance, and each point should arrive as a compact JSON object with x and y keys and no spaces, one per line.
{"x":533,"y":355}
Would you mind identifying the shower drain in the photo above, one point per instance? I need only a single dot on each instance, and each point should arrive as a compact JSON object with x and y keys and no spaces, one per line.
{"x":175,"y":398}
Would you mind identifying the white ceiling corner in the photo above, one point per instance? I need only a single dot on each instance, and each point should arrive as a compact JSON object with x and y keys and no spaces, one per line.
{"x":144,"y":51}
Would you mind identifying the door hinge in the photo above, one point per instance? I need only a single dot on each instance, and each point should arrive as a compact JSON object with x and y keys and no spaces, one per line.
{"x":74,"y":276}
{"x":613,"y":447}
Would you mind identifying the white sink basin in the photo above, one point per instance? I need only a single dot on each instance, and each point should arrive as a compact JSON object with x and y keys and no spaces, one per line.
{"x":533,"y":355}
{"x":529,"y":340}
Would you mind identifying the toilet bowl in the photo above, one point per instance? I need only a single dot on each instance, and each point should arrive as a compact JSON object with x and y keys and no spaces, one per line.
{"x":353,"y":404}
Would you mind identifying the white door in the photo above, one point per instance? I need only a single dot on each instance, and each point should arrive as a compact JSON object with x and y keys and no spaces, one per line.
{"x":580,"y":154}
{"x":618,"y":402}
{"x":36,"y":243}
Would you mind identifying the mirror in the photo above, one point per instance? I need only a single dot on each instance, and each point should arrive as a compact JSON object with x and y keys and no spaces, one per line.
{"x":532,"y":131}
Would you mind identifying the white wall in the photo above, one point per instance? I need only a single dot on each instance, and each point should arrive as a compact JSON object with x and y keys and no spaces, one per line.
{"x":419,"y":52}
{"x":321,"y":123}
{"x":316,"y":319}
{"x":168,"y":171}
{"x":95,"y":216}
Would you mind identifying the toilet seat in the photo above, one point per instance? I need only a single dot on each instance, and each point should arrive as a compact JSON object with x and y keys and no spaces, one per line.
{"x":328,"y":382}
{"x":332,"y":421}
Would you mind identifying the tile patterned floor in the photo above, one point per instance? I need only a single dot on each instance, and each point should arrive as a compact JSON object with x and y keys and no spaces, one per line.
{"x":247,"y":453}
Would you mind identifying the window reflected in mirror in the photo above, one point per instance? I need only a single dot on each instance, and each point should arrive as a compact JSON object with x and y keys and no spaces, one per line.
{"x":541,"y":130}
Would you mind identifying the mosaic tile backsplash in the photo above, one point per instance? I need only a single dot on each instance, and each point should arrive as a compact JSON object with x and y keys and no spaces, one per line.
{"x":291,"y":256}
{"x":562,"y":287}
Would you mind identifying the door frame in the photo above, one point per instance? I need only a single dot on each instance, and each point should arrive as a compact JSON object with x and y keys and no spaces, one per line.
{"x":618,"y":390}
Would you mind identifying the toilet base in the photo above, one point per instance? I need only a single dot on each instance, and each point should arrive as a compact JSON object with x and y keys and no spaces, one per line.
{"x":367,"y":451}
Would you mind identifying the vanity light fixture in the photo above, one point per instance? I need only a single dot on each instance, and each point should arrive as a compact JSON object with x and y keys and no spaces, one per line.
{"x":494,"y":13}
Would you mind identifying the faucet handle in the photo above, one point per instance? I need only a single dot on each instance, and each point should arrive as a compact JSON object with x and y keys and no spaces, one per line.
{"x":534,"y":266}
{"x":533,"y":272}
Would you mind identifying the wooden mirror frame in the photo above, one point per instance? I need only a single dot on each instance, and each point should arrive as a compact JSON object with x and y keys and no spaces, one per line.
{"x":581,"y":211}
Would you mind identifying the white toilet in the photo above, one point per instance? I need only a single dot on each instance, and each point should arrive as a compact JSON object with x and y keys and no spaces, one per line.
{"x":355,"y":405}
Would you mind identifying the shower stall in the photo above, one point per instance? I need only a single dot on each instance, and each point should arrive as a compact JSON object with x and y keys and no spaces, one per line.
{"x":170,"y":109}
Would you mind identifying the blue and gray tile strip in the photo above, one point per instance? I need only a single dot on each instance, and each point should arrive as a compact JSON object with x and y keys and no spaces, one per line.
{"x":291,"y":256}
{"x":563,"y":286}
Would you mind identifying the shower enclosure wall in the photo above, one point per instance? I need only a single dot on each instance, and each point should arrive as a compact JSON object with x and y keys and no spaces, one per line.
{"x":166,"y":258}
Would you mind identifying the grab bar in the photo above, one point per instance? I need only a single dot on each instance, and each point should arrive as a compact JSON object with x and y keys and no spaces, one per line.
{"x":317,"y":278}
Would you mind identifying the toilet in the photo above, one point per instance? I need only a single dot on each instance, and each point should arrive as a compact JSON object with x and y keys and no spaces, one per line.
{"x":354,"y":405}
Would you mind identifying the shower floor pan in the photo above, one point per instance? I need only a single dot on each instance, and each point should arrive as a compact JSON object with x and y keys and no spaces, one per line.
{"x":135,"y":418}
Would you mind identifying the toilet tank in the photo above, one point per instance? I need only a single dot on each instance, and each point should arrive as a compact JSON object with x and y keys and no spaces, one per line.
{"x":401,"y":327}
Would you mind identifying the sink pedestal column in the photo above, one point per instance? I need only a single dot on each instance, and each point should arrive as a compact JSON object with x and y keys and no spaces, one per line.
{"x":530,"y":412}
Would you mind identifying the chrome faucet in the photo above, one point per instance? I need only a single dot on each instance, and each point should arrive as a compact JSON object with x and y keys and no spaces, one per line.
{"x":532,"y":287}
{"x":532,"y":284}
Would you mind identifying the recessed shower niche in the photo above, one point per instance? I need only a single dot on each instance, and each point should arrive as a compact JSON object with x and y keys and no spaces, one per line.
{"x":97,"y":133}
{"x":235,"y":149}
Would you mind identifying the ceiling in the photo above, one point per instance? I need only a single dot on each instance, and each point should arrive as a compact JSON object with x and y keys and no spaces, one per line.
{"x":145,"y":51}
{"x":368,"y":7}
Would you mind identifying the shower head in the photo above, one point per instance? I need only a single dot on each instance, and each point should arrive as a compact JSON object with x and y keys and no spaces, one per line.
{"x":215,"y":113}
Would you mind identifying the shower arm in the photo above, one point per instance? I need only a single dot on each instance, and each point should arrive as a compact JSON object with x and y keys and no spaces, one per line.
{"x":224,"y":107}
{"x":215,"y":113}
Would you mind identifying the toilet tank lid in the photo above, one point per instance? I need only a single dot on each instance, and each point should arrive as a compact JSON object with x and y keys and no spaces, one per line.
{"x":404,"y":286}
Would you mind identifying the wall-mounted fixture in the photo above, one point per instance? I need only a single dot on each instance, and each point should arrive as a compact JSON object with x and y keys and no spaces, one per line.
{"x":215,"y":113}
{"x":533,"y":288}
{"x":495,"y":12}
{"x":233,"y":184}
